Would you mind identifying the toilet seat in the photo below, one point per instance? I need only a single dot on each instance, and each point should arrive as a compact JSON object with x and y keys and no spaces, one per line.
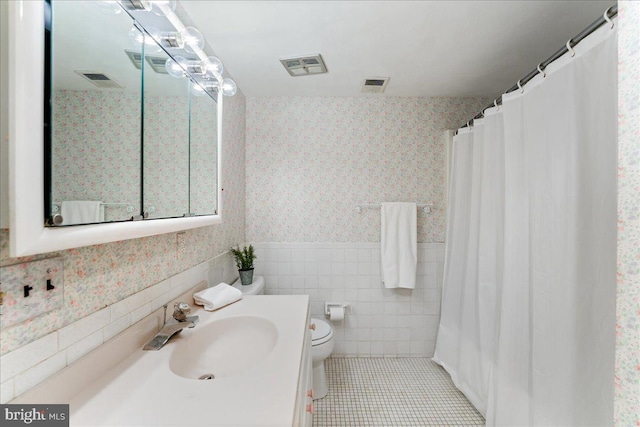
{"x":322,"y":333}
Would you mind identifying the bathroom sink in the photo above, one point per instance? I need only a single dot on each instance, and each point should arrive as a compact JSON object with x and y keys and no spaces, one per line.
{"x":223,"y":348}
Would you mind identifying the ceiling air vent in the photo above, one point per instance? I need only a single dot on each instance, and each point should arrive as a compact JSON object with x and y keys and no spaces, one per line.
{"x":305,"y":65}
{"x":374,"y":84}
{"x":135,"y":58}
{"x":100,"y":79}
{"x":157,"y":63}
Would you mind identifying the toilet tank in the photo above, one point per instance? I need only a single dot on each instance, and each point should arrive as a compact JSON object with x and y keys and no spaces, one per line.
{"x":255,"y":288}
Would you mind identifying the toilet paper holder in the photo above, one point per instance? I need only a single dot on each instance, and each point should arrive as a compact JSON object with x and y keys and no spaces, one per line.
{"x":329,"y":305}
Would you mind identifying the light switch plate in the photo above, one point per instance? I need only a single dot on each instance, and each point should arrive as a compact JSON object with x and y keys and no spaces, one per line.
{"x":33,"y":276}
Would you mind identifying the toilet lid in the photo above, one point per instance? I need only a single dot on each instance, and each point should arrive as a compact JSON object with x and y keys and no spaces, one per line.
{"x":322,"y":333}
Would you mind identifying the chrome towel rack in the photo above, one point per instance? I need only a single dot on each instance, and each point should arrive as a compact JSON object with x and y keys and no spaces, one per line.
{"x":55,"y":207}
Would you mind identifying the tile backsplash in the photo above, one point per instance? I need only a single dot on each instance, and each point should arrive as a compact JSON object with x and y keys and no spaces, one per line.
{"x":30,"y":364}
{"x":379,"y":322}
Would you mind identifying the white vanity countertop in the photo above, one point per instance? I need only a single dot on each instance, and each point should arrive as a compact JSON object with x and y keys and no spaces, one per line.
{"x":143,"y":391}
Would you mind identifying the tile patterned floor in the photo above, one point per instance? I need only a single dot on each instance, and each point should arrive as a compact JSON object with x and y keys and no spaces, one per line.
{"x":391,"y":393}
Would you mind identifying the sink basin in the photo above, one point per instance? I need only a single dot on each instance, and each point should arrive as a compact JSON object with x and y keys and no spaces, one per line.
{"x":223,"y":348}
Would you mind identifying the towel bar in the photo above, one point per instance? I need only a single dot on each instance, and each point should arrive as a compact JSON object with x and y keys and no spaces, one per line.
{"x":426,"y":208}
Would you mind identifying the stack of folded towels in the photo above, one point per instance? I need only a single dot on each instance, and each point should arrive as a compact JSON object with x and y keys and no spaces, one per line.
{"x":217,"y":296}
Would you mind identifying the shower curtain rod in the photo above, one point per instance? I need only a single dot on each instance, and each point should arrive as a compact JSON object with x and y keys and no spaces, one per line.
{"x":609,"y":13}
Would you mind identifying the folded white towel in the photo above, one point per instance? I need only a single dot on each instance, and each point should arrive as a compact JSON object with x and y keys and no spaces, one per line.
{"x":81,"y":212}
{"x":217,"y":296}
{"x":399,"y":244}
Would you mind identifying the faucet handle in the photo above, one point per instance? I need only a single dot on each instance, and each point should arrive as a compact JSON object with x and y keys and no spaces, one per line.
{"x":180,"y":311}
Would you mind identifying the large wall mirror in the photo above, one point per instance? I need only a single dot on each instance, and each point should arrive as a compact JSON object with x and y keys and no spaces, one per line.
{"x":133,"y":134}
{"x":95,"y":115}
{"x":138,"y":143}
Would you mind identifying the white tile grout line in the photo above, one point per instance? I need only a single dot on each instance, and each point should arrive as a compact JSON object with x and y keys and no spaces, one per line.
{"x":391,"y":392}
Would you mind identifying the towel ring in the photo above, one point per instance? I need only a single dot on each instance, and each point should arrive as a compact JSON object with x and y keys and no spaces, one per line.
{"x":570,"y":49}
{"x":520,"y":86}
{"x":541,"y":71}
{"x":606,"y":17}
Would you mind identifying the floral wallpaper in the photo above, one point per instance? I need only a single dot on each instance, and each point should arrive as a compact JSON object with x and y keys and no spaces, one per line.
{"x":310,"y":161}
{"x":98,"y":276}
{"x":96,"y":153}
{"x":627,"y":378}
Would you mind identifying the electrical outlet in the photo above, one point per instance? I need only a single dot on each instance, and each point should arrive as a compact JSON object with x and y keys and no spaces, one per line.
{"x":30,"y":289}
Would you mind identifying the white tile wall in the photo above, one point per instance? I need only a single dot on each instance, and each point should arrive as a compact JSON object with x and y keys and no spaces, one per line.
{"x":22,"y":369}
{"x":380,"y":322}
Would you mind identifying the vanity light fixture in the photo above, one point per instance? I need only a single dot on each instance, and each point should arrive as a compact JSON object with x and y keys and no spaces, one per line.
{"x":136,"y":4}
{"x":176,"y":67}
{"x":202,"y":68}
{"x":195,"y":67}
{"x":159,"y":6}
{"x":137,"y":38}
{"x":213,"y":66}
{"x":197,"y":89}
{"x":109,"y":7}
{"x":167,"y":39}
{"x":229,"y":87}
{"x":193,"y":39}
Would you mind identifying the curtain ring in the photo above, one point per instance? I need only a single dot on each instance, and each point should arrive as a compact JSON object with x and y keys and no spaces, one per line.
{"x":495,"y":104}
{"x":541,"y":71}
{"x":520,"y":86}
{"x":606,"y":17}
{"x":570,"y":49}
{"x":468,"y":125}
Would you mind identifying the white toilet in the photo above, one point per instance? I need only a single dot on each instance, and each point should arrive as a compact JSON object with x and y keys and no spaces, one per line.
{"x":322,"y":343}
{"x":255,"y":288}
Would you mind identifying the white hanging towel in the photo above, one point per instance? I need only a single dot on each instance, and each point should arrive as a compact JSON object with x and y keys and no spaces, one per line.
{"x":399,"y":244}
{"x":217,"y":296}
{"x":81,"y":212}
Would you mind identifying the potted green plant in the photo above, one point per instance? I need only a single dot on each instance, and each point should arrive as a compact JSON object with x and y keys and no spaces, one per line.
{"x":244,"y":261}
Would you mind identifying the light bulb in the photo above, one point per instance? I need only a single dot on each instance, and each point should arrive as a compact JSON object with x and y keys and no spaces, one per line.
{"x":159,"y":7}
{"x":229,"y":87}
{"x":136,"y":38}
{"x":176,"y":67}
{"x":213,"y":66}
{"x":196,"y":89}
{"x":193,"y":39}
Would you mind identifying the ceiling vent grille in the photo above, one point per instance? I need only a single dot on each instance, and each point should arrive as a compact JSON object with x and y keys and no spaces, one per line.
{"x":157,"y":63}
{"x":305,"y":65}
{"x":135,"y":58}
{"x":100,"y":79}
{"x":374,"y":84}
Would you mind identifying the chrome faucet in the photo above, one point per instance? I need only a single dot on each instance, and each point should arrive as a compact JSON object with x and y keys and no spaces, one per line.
{"x":178,"y":323}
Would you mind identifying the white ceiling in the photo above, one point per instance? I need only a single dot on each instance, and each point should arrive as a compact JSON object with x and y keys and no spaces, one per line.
{"x":428,"y":48}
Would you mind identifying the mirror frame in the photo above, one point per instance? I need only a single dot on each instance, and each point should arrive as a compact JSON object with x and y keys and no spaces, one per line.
{"x":28,"y":234}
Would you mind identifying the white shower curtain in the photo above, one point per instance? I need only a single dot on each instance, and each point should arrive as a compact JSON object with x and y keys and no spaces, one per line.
{"x":527,"y":326}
